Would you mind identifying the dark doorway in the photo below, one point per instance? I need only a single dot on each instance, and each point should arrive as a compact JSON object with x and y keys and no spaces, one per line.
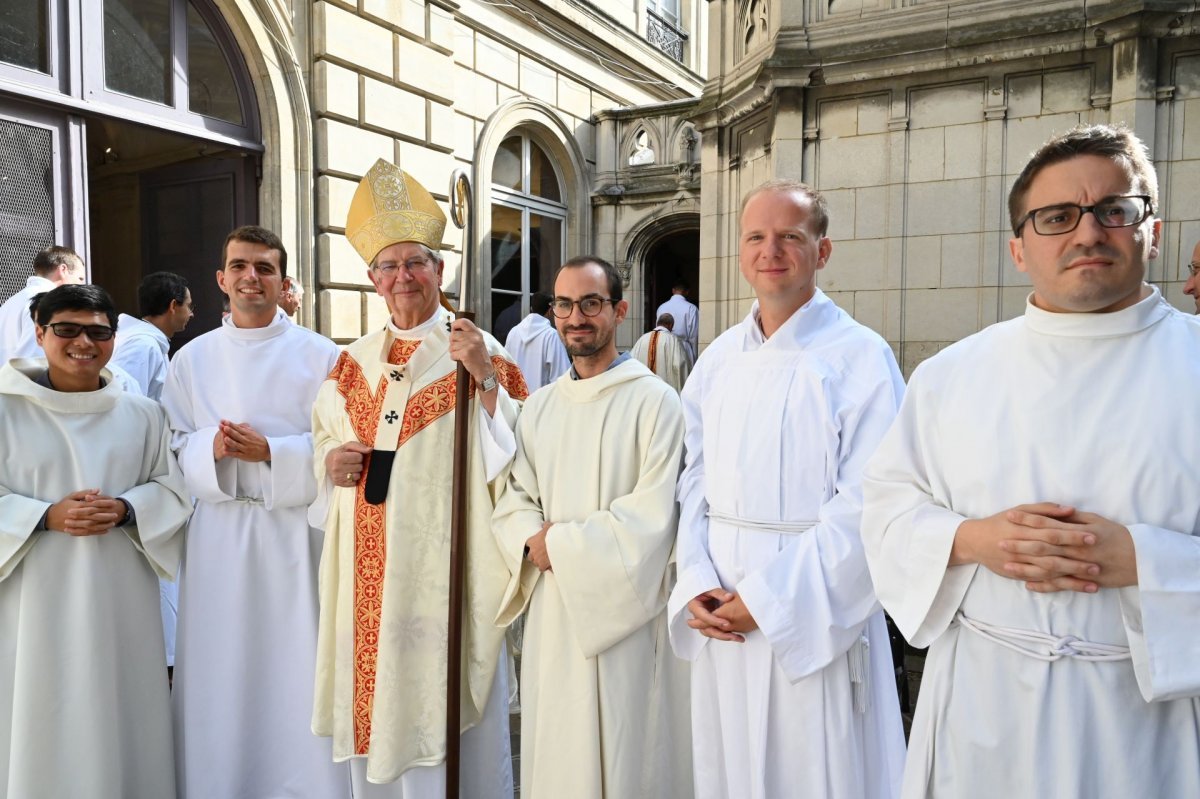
{"x":673,"y":258}
{"x":164,"y":202}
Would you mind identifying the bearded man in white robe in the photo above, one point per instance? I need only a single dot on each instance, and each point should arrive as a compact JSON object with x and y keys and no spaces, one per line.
{"x":1028,"y":517}
{"x":383,"y":426}
{"x":793,"y":692}
{"x":91,"y":508}
{"x":663,"y":353}
{"x":240,"y":402}
{"x":587,"y":525}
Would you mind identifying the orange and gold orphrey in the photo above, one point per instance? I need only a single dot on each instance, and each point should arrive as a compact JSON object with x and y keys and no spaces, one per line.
{"x":424,"y":407}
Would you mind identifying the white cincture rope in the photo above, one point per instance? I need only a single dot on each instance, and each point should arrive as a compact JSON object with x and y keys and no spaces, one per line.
{"x":758,"y":525}
{"x":250,"y":500}
{"x":1044,"y":646}
{"x":859,"y":660}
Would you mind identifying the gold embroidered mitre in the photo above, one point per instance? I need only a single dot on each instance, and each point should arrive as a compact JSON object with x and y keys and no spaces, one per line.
{"x":389,"y":207}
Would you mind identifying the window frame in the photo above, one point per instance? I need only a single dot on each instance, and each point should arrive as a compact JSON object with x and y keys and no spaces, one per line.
{"x":76,"y":79}
{"x":527,"y":203}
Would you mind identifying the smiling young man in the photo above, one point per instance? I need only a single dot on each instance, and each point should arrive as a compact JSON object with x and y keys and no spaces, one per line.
{"x":586,"y":526}
{"x":792,"y":681}
{"x":1027,"y":517}
{"x":383,"y":425}
{"x":90,"y":515}
{"x":240,"y":401}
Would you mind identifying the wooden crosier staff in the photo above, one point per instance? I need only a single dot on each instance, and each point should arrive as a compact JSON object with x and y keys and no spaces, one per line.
{"x":460,"y":214}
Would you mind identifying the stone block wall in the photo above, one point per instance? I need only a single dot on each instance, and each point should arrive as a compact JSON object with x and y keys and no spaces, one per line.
{"x":417,"y":81}
{"x":917,"y":170}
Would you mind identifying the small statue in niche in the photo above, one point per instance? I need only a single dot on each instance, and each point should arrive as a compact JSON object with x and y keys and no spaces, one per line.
{"x":642,"y":152}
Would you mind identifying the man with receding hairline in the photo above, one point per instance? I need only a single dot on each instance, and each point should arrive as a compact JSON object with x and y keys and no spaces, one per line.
{"x":1028,"y":516}
{"x":793,"y":692}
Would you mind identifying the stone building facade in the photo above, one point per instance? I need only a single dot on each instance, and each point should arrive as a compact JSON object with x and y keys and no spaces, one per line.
{"x":141,"y":131}
{"x":914,"y":118}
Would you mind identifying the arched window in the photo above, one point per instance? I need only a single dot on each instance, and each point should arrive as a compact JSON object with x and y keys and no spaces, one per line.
{"x":528,"y":228}
{"x":158,"y":62}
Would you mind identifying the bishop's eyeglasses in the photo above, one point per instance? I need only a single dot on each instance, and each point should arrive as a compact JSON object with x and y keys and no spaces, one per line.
{"x":589,"y":306}
{"x":392,"y":268}
{"x":73,"y":329}
{"x":1194,"y":269}
{"x":1111,"y":212}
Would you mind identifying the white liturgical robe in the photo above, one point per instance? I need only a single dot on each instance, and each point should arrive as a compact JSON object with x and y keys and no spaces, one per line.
{"x":665,"y":355}
{"x":84,"y":707}
{"x":18,"y":338}
{"x":778,"y":431}
{"x":603,"y":705}
{"x":247,"y":636}
{"x":687,"y":322}
{"x":537,"y":348}
{"x":142,"y":352}
{"x":382,"y":649}
{"x":1095,"y":411}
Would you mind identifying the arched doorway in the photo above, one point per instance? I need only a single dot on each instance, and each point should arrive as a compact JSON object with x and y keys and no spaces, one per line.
{"x":673,"y":257}
{"x":155,"y":143}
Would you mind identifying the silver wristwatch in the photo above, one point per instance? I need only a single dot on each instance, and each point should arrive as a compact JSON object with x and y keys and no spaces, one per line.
{"x":488,"y":383}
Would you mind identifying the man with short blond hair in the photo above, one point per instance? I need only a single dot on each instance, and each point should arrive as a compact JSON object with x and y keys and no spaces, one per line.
{"x":792,"y":682}
{"x":1028,"y":516}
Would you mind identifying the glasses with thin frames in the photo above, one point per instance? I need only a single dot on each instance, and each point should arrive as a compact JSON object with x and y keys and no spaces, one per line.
{"x":1111,"y":212}
{"x":588,"y":306}
{"x":412,"y":265}
{"x":1194,"y":269}
{"x":73,"y":329}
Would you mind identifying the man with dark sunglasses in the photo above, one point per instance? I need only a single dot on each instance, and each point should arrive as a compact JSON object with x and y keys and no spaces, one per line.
{"x":1028,"y":517}
{"x":91,"y":508}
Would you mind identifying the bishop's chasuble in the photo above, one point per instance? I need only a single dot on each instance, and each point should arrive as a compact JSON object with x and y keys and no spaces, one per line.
{"x":778,"y":432}
{"x":247,"y":633}
{"x":1065,"y":694}
{"x":84,"y":707}
{"x":382,"y":648}
{"x":603,"y":701}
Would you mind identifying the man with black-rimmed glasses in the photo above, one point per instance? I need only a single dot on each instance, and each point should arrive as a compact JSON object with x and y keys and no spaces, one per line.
{"x":586,"y":527}
{"x":1029,"y":516}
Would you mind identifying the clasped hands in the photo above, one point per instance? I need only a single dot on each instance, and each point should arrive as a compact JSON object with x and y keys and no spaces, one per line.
{"x":86,"y":512}
{"x":1051,"y":547}
{"x":240,"y":441}
{"x":721,"y":615}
